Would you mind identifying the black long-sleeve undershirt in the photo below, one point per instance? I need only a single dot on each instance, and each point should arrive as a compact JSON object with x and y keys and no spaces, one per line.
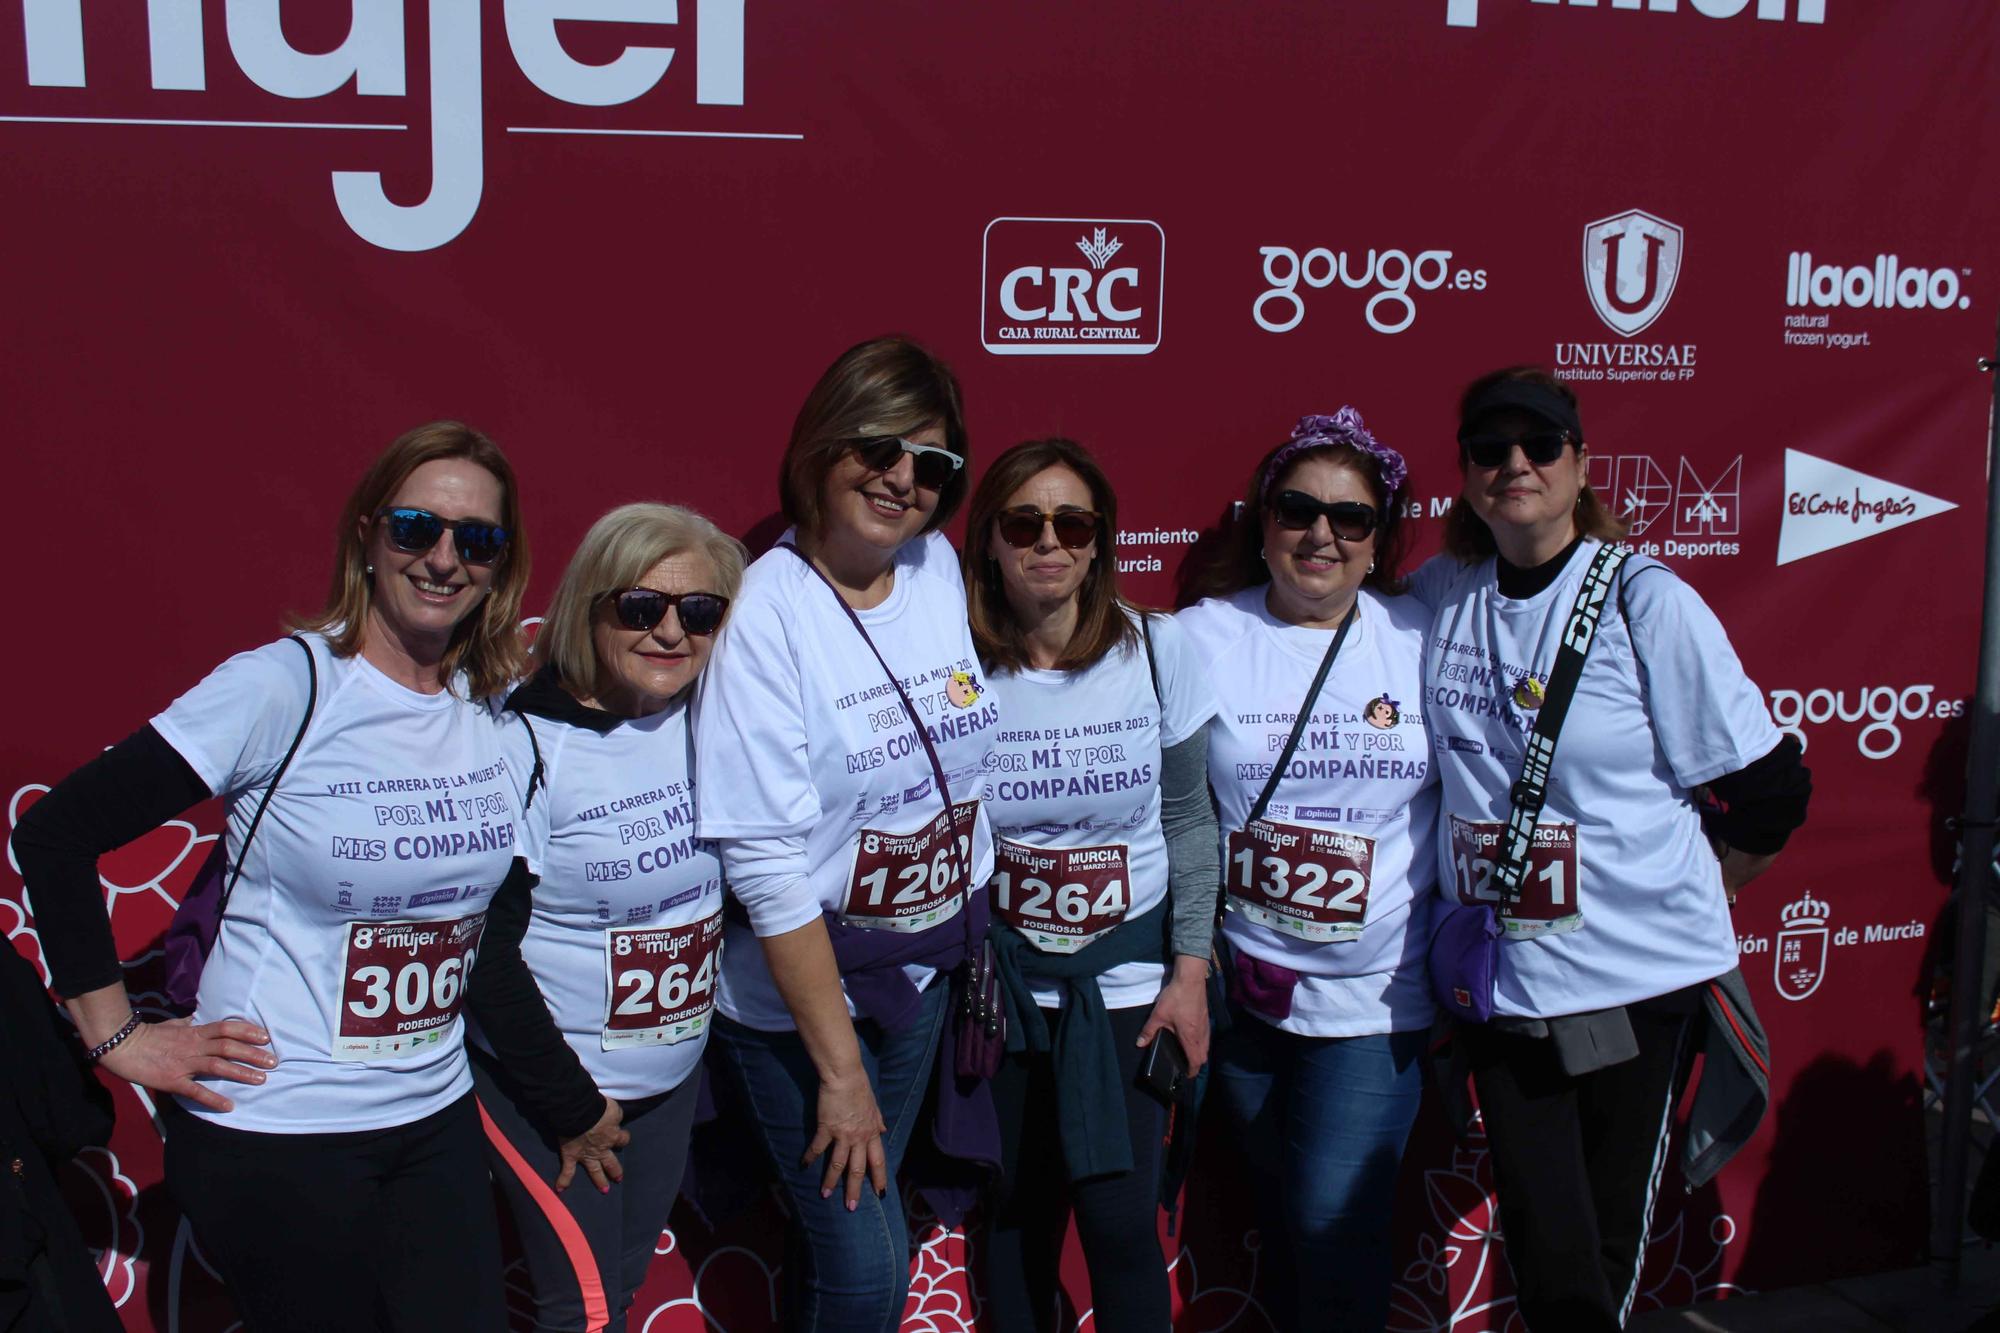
{"x":123,"y":794}
{"x":515,"y":1020}
{"x":1755,"y":808}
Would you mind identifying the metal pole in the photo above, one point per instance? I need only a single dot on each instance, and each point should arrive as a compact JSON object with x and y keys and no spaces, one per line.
{"x":1975,"y":878}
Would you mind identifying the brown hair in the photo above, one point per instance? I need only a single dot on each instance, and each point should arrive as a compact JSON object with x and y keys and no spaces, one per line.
{"x":886,"y":386}
{"x":486,"y":645}
{"x":1466,"y":536}
{"x":1102,"y":622}
{"x":1236,"y":561}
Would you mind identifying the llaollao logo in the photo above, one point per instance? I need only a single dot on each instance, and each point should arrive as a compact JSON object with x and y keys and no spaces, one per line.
{"x":1465,"y":13}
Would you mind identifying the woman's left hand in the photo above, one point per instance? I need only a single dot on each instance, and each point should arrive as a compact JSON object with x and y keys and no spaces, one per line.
{"x":1182,"y":1009}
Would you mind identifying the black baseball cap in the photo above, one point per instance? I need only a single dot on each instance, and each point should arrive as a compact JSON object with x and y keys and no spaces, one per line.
{"x":1537,"y":400}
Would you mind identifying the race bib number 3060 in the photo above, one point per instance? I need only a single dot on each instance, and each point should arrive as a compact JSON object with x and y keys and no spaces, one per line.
{"x":908,"y":882}
{"x":659,"y":982}
{"x":402,"y":985}
{"x":1061,"y":898}
{"x":1310,"y":883}
{"x":1549,"y":905}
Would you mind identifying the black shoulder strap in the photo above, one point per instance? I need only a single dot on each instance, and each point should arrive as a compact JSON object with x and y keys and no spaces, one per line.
{"x":1305,"y":711}
{"x":1531,"y":792}
{"x":312,"y":701}
{"x":1153,"y":665}
{"x":538,"y":776}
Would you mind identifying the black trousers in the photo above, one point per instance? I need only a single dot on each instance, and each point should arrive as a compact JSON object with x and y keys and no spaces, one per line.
{"x":1577,"y":1162}
{"x":1117,"y":1217}
{"x":389,"y":1229}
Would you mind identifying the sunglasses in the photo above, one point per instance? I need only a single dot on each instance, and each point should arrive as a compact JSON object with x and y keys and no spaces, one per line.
{"x":644,"y":608}
{"x":1074,"y":528}
{"x":1350,"y":520}
{"x":1539,"y":447}
{"x":415,"y":531}
{"x":934,"y":466}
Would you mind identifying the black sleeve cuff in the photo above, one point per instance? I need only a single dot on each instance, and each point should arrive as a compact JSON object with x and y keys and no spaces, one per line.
{"x":1756,"y":808}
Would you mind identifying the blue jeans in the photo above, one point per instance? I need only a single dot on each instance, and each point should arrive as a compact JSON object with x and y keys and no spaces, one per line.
{"x":851,"y":1271}
{"x":1323,"y":1121}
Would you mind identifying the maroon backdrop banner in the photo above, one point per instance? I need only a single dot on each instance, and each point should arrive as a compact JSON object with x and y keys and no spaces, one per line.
{"x":252,"y":243}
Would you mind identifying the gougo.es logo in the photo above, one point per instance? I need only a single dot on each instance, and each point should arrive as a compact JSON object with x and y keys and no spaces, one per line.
{"x":1882,"y":707}
{"x":1391,"y":274}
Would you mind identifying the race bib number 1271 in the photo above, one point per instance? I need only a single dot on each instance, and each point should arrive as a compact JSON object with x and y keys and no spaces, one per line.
{"x":1549,"y":903}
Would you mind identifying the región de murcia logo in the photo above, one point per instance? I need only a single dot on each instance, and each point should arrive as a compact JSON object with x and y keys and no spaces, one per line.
{"x":1799,"y":963}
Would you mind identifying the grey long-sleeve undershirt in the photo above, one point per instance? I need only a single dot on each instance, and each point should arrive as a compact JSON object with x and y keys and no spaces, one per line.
{"x":1187,"y":818}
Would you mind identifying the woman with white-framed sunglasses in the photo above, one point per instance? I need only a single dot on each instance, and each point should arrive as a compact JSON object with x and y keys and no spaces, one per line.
{"x":846,"y":701}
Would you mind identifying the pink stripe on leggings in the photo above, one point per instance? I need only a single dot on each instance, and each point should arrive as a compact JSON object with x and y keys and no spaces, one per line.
{"x":596,"y":1314}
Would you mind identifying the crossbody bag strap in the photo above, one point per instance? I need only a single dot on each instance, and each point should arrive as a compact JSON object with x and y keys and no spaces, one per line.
{"x":312,"y":699}
{"x":909,"y":709}
{"x":1530,"y":793}
{"x":1305,"y":711}
{"x":1153,"y":666}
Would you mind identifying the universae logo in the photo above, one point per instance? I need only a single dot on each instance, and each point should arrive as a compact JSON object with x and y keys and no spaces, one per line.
{"x":1465,"y":13}
{"x":1072,"y":286}
{"x":373,"y":60}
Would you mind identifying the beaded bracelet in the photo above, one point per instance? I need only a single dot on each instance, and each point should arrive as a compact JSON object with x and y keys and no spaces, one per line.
{"x":110,"y":1044}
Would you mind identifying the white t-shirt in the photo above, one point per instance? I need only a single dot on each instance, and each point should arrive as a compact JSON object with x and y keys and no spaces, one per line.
{"x":810,"y":767}
{"x":399,"y":807}
{"x":624,"y":939}
{"x":1619,"y":835}
{"x":1078,"y":766}
{"x":1365,"y":787}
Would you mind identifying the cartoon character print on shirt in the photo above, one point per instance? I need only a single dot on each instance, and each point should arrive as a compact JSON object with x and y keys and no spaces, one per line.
{"x":909,"y":879}
{"x":1306,"y":870}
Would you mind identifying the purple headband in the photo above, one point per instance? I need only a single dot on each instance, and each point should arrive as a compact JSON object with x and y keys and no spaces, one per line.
{"x":1343,"y":427}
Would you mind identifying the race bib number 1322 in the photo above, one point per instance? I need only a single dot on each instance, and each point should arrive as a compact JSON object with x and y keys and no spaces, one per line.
{"x":1310,"y":883}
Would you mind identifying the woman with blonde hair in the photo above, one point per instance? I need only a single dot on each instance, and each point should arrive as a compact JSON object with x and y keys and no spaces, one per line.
{"x":338,"y":1182}
{"x":593,"y":991}
{"x":847,"y":696}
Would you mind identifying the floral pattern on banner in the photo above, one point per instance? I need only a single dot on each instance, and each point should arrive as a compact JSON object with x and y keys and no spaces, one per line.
{"x":1452,"y":1271}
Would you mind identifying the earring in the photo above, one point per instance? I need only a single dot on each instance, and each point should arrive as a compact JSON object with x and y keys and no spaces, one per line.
{"x":1371,"y":566}
{"x":1261,"y":555}
{"x":371,"y":571}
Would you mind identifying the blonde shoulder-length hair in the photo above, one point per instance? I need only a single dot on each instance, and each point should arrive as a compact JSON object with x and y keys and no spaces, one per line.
{"x":487,"y":644}
{"x":613,"y":556}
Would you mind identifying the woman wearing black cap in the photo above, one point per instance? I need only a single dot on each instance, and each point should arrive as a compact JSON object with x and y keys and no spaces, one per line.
{"x":1615,"y":933}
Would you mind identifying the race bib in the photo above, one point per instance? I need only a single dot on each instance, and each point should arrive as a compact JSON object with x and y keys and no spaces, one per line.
{"x":659,"y":982}
{"x":910,"y":881}
{"x":402,"y":985}
{"x":1061,"y":898}
{"x":1549,"y":901}
{"x":1310,"y":883}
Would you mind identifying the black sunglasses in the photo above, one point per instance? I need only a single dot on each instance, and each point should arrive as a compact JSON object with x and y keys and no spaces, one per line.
{"x":934,"y":467}
{"x":644,"y":608}
{"x":1541,"y":447}
{"x":1075,"y":528}
{"x":1350,"y":520}
{"x":417,"y":530}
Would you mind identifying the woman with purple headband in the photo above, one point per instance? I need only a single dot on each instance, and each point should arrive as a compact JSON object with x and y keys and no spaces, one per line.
{"x":1320,"y":764}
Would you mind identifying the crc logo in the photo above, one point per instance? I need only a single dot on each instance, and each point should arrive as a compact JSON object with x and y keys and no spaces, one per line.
{"x":1631,"y":262}
{"x":1072,"y":286}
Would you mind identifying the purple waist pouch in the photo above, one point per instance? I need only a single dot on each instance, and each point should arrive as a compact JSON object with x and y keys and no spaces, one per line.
{"x":1464,"y":958}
